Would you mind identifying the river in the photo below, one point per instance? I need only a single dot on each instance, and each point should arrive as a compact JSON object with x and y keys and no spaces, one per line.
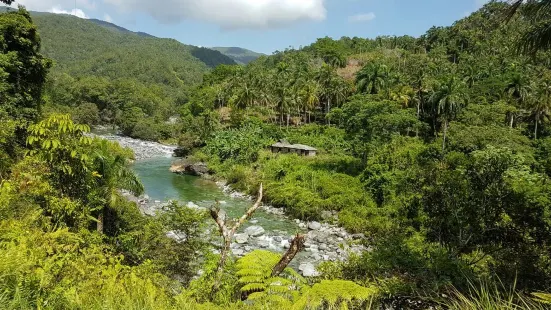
{"x":264,"y":230}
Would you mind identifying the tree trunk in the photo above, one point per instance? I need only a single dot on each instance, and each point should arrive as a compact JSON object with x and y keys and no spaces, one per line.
{"x":328,"y":109}
{"x":445,"y":132}
{"x":536,"y":130}
{"x":221,"y":264}
{"x":99,"y":228}
{"x":512,"y":120}
{"x":297,"y":245}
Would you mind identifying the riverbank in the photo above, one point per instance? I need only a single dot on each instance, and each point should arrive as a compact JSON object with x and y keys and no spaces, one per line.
{"x":269,"y":228}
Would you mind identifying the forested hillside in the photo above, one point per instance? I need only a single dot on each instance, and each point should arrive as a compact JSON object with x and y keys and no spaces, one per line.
{"x":434,"y":152}
{"x":126,"y":78}
{"x":238,"y":54}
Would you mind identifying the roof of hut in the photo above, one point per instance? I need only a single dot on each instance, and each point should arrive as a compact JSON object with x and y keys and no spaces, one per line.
{"x":286,"y":144}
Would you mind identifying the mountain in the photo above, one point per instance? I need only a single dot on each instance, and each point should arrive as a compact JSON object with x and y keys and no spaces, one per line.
{"x":240,"y":55}
{"x":119,"y":28}
{"x":82,"y":47}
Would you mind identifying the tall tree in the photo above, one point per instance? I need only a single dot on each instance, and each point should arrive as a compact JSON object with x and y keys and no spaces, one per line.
{"x":372,"y":78}
{"x":22,"y":68}
{"x":448,"y":99}
{"x":538,"y":36}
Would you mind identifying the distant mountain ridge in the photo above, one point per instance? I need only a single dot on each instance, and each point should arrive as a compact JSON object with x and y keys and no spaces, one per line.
{"x":240,"y":55}
{"x":119,"y":28}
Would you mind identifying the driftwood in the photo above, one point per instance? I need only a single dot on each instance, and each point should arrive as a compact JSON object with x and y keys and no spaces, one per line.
{"x":297,"y":245}
{"x":227,"y":234}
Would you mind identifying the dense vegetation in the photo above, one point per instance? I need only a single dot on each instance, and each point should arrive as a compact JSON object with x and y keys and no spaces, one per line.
{"x":119,"y":77}
{"x":433,"y":150}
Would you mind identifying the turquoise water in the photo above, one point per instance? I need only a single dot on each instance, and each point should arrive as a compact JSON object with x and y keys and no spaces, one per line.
{"x":160,"y":184}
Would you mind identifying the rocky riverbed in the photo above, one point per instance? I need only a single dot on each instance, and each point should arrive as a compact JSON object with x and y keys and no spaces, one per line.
{"x":324,"y":242}
{"x":142,"y":149}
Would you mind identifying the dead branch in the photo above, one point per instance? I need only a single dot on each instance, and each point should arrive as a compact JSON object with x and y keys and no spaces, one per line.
{"x":297,"y":245}
{"x":227,"y":235}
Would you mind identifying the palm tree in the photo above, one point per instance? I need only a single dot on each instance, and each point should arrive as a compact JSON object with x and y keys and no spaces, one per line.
{"x":540,"y":108}
{"x":518,"y":89}
{"x":538,"y":36}
{"x":372,"y":78}
{"x":448,"y":99}
{"x":113,"y":174}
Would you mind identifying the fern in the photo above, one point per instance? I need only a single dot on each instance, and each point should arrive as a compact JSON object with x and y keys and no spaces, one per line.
{"x":255,"y":274}
{"x":544,"y":298}
{"x":337,"y":294}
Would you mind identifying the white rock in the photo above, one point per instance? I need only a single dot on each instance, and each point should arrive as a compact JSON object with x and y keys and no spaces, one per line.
{"x":308,"y":270}
{"x":222,"y":202}
{"x":255,"y":231}
{"x":314,"y":225}
{"x":285,"y":244}
{"x":241,"y":238}
{"x":237,"y":252}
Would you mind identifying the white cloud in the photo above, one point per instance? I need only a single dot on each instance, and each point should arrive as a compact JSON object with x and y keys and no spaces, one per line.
{"x":48,"y":5}
{"x":59,"y":6}
{"x":74,"y":12}
{"x":229,"y":14}
{"x":360,"y":18}
{"x":107,"y":18}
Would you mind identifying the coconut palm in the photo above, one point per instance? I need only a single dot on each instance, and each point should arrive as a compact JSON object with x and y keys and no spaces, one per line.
{"x":372,"y":78}
{"x":538,"y":36}
{"x":448,"y":98}
{"x":540,"y":106}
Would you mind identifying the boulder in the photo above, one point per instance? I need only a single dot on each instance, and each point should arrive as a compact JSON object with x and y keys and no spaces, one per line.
{"x":187,"y":166}
{"x":237,"y":252}
{"x":308,"y":270}
{"x":314,"y":226}
{"x":241,"y":238}
{"x":255,"y":231}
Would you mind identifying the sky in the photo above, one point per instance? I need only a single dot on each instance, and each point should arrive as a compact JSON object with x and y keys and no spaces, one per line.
{"x":265,"y":25}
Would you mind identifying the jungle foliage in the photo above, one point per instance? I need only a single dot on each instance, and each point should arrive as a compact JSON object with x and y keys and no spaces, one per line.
{"x":434,"y":151}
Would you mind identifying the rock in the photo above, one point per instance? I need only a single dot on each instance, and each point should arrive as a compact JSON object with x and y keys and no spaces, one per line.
{"x":297,"y":221}
{"x":314,"y":225}
{"x":308,"y":270}
{"x":192,"y":205}
{"x":316,"y":257}
{"x":278,"y":239}
{"x":176,"y":235}
{"x":285,"y":244}
{"x":187,"y":166}
{"x":326,"y":215}
{"x":323,"y":247}
{"x":358,"y":236}
{"x":223,"y":202}
{"x":238,"y":252}
{"x":253,"y":221}
{"x":241,"y":238}
{"x":255,"y":231}
{"x":302,"y":225}
{"x":264,"y":244}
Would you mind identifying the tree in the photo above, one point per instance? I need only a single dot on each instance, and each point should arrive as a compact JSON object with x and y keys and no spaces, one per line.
{"x":113,"y":174}
{"x":538,"y":36}
{"x":448,"y":99}
{"x":22,"y":68}
{"x":372,"y":78}
{"x":540,"y":106}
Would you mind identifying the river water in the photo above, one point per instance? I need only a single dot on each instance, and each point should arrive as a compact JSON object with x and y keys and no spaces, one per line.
{"x":323,"y":242}
{"x":162,"y":185}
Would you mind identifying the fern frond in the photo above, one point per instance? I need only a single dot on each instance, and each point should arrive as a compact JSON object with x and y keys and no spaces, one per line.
{"x":544,"y":298}
{"x":253,"y":287}
{"x":337,"y":293}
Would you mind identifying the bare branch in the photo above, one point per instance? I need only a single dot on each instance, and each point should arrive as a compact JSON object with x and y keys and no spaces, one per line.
{"x":249,"y":212}
{"x":297,"y":245}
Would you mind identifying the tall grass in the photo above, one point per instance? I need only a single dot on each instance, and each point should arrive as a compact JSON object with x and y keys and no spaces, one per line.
{"x":486,"y":296}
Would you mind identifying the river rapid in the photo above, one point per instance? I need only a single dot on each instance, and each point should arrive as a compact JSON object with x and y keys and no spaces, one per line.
{"x":268,"y":229}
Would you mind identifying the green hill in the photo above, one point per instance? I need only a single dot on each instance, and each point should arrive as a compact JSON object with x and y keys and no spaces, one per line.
{"x":83,"y":47}
{"x":240,"y":55}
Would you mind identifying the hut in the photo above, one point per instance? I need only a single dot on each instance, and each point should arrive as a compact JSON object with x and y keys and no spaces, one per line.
{"x":284,"y":146}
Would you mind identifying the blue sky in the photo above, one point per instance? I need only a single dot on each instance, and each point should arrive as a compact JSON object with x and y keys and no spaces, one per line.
{"x":266,"y":25}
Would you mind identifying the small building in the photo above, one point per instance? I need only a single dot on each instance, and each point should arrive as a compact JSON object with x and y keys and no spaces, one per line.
{"x":284,"y":146}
